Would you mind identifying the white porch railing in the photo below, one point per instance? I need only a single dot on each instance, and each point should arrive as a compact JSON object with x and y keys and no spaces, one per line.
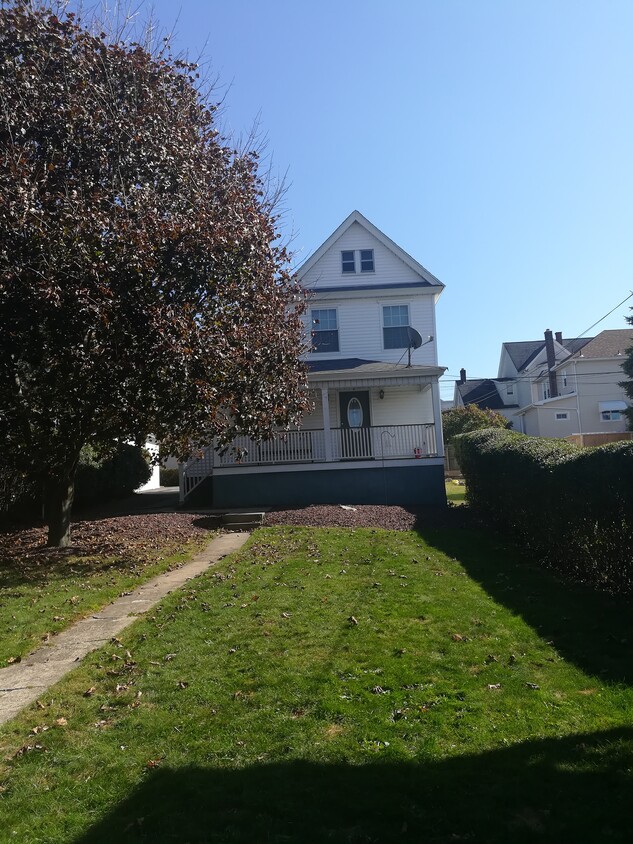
{"x":380,"y":442}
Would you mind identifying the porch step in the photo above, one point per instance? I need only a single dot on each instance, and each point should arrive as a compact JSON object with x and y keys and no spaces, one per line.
{"x":239,"y":520}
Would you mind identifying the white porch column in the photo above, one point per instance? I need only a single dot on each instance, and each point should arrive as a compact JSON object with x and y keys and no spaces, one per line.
{"x":327,"y":435}
{"x":437,"y":416}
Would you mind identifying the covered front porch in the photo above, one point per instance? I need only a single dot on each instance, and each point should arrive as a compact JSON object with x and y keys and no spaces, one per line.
{"x":365,"y":418}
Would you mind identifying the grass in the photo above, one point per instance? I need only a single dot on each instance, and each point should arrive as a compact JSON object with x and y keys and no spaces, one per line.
{"x":456,"y":492}
{"x":340,"y":685}
{"x":41,"y":597}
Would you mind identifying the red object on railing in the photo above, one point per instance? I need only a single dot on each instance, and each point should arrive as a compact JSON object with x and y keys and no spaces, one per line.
{"x":417,"y":453}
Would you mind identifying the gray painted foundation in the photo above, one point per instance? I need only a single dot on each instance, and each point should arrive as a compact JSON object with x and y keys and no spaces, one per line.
{"x":411,"y":486}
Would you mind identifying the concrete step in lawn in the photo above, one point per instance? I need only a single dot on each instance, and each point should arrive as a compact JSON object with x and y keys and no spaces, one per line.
{"x":240,"y":520}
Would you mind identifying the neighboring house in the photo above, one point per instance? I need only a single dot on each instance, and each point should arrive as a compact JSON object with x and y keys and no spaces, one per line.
{"x":487,"y":393}
{"x":375,"y":434}
{"x":580,"y":393}
{"x":557,"y":387}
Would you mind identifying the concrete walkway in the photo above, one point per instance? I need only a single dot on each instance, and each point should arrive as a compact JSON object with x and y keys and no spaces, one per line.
{"x":25,"y":682}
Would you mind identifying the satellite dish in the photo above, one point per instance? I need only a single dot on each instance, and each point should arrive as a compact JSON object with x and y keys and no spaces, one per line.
{"x":415,"y":338}
{"x":415,"y":341}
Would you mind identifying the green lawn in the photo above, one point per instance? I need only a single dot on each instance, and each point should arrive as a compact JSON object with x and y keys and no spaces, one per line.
{"x":43,"y":590}
{"x":341,"y":685}
{"x":456,"y":492}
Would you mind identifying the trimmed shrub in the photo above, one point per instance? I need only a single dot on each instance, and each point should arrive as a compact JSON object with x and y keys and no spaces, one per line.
{"x":115,"y":477}
{"x":464,"y":420}
{"x":97,"y":480}
{"x":572,"y":507}
{"x":169,"y":477}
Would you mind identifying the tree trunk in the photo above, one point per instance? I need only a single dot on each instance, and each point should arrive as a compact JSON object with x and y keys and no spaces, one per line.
{"x":58,"y":502}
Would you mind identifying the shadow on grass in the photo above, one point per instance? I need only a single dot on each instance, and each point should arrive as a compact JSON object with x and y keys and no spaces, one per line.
{"x":576,"y":789}
{"x":589,"y":628}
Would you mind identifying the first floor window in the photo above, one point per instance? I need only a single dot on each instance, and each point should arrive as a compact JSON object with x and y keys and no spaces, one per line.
{"x":324,"y":330}
{"x":611,"y":415}
{"x":395,"y":321}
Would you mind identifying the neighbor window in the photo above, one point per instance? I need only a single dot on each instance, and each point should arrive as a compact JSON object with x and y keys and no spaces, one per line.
{"x":561,"y":416}
{"x":366,"y":260}
{"x":564,"y":374}
{"x":611,"y":415}
{"x":510,"y":389}
{"x":324,"y":330}
{"x":545,"y":391}
{"x":348,"y":264}
{"x":395,"y":321}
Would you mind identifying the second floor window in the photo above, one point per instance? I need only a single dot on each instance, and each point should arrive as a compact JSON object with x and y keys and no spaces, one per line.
{"x":324,"y":330}
{"x":395,"y":321}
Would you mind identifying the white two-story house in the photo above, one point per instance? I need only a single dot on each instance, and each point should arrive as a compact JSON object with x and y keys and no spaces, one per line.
{"x":374,"y":436}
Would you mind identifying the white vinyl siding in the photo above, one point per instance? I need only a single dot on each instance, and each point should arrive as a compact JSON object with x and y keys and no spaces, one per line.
{"x":390,"y":269}
{"x":360,"y":329}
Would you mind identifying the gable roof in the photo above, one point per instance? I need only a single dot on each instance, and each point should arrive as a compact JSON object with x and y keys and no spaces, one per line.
{"x":608,"y":344}
{"x":480,"y":391}
{"x":357,"y":217}
{"x":523,"y":353}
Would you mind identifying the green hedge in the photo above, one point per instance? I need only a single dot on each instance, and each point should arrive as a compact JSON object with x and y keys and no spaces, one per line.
{"x":169,"y":477}
{"x":572,"y":507}
{"x":97,"y":480}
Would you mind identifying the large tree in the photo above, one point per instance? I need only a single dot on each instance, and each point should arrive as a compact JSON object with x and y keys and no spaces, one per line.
{"x":142,"y":284}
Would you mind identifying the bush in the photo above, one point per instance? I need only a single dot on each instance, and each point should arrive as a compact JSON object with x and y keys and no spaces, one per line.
{"x":97,"y":480}
{"x":169,"y":477}
{"x":463,"y":420}
{"x":572,"y":507}
{"x":115,"y":477}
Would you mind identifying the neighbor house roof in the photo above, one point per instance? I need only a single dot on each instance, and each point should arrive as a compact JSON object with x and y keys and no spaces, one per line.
{"x":523,"y":353}
{"x":609,"y":343}
{"x":483,"y":392}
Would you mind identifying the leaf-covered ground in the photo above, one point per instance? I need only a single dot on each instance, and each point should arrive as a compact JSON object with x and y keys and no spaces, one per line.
{"x":344,"y":685}
{"x":43,"y":590}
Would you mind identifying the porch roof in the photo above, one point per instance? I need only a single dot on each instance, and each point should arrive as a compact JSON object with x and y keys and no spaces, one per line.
{"x":369,"y":373}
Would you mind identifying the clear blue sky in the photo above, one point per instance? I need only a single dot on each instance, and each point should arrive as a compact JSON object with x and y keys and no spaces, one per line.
{"x":491,"y":139}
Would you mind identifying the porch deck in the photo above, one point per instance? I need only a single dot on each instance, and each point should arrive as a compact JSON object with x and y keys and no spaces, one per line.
{"x":378,"y":442}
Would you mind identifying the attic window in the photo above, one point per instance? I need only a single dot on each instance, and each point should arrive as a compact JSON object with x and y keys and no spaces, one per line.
{"x":348,"y":264}
{"x":366,"y":260}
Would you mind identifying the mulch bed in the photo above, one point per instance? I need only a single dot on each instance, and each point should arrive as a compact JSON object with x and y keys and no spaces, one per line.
{"x":333,"y":515}
{"x":119,"y":536}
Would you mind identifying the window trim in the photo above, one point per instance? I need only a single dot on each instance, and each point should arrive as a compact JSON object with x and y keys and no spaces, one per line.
{"x":313,"y":331}
{"x":561,"y":416}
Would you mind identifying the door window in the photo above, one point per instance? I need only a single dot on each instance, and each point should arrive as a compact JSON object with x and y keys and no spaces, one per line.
{"x":354,"y":413}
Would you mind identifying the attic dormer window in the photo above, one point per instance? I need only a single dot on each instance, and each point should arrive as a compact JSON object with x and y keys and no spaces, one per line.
{"x":366,"y":260}
{"x":348,"y":263}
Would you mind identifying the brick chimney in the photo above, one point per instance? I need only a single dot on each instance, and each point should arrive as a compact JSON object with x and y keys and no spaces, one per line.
{"x":551,"y":363}
{"x":462,"y":376}
{"x":559,"y":337}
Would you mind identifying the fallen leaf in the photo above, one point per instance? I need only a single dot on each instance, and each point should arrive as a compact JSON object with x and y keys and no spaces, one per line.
{"x":89,"y":692}
{"x":13,"y":659}
{"x":182,"y":684}
{"x":60,"y":722}
{"x":532,"y":685}
{"x":352,"y":620}
{"x":494,"y":685}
